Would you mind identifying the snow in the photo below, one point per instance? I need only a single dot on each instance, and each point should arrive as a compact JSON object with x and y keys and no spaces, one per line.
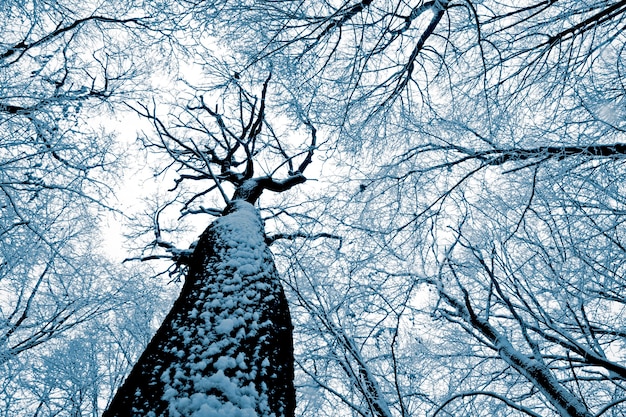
{"x":214,"y":377}
{"x":225,"y":362}
{"x":226,"y":326}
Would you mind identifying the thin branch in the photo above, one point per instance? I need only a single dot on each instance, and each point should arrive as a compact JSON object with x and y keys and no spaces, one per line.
{"x":610,"y":405}
{"x":309,"y":156}
{"x":502,"y":398}
{"x":23,"y":46}
{"x":216,"y":180}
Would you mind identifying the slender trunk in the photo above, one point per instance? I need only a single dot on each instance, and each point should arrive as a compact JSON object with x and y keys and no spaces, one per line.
{"x":225,"y":348}
{"x":563,"y":400}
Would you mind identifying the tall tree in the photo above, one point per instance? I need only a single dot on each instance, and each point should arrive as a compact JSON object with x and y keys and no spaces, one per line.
{"x":226,"y":346}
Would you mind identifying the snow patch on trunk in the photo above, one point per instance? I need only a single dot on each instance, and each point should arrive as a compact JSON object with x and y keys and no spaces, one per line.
{"x":238,"y":278}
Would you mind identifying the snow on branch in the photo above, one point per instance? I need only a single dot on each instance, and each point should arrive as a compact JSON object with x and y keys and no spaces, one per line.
{"x":292,"y":236}
{"x":502,"y":156}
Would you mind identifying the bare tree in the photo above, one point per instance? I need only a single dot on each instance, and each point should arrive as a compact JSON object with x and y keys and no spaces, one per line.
{"x":54,"y":167}
{"x":367,"y":55}
{"x":63,"y":66}
{"x":76,"y":371}
{"x":226,"y":346}
{"x":480,"y":202}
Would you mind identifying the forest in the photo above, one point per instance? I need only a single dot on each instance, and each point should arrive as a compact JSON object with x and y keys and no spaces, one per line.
{"x":278,"y":208}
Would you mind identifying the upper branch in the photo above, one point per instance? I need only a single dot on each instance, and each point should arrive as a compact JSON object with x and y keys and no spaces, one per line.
{"x":404,"y":76}
{"x":206,"y":144}
{"x":500,"y":157}
{"x":342,"y":17}
{"x":309,"y":155}
{"x":23,"y":46}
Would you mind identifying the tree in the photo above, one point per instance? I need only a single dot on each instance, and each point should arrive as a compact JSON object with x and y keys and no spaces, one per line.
{"x":226,"y":345}
{"x":53,"y":174}
{"x":495,"y":129}
{"x":478,"y":150}
{"x":76,"y":371}
{"x":63,"y":67}
{"x":371,"y":56}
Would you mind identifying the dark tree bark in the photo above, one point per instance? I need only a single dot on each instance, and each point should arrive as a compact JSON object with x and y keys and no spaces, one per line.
{"x":225,"y":349}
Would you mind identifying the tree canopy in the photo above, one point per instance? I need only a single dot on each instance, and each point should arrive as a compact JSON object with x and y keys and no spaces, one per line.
{"x":458,"y":248}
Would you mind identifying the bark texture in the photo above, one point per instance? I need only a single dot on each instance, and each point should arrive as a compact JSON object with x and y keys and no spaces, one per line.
{"x":225,"y":349}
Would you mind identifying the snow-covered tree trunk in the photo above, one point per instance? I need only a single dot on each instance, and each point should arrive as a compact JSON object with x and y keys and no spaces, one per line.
{"x":225,"y":349}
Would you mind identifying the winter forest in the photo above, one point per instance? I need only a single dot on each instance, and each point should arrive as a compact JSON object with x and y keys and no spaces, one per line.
{"x":278,"y":208}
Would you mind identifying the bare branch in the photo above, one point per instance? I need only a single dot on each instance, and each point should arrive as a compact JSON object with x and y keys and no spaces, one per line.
{"x":502,"y":398}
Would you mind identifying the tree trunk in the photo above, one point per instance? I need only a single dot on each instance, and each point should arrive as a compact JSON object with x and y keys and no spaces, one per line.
{"x":225,"y":349}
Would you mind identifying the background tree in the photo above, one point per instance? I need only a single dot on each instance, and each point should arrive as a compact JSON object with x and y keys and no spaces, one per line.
{"x":63,"y":66}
